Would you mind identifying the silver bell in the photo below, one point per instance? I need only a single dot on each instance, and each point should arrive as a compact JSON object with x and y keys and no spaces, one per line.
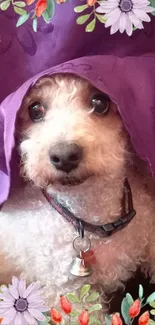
{"x":78,"y":267}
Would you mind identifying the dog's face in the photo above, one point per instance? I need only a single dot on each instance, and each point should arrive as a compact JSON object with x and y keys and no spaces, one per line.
{"x":68,"y":132}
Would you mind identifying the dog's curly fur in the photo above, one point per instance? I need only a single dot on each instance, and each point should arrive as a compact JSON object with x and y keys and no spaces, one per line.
{"x":35,"y":239}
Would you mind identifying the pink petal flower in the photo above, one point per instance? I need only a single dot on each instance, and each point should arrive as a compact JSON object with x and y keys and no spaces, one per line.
{"x":15,"y":282}
{"x":34,"y":297}
{"x":19,"y":319}
{"x":141,"y":14}
{"x":113,"y":17}
{"x":106,"y":7}
{"x":21,"y":306}
{"x":122,"y":22}
{"x":43,"y":309}
{"x":8,"y":316}
{"x":123,"y":15}
{"x":36,"y":304}
{"x":31,"y":288}
{"x":129,"y":28}
{"x":6,"y":304}
{"x":135,"y":20}
{"x":36,"y":314}
{"x":29,"y":318}
{"x":13,"y":291}
{"x":22,"y":287}
{"x":114,"y":27}
{"x":6,"y":296}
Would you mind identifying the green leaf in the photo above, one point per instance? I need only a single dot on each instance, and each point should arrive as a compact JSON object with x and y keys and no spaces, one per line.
{"x":152,"y":3}
{"x":96,"y":307}
{"x":93,"y":297}
{"x":80,"y":8}
{"x":46,"y":322}
{"x":94,"y":321}
{"x":74,"y":313}
{"x":20,"y":11}
{"x":20,"y":4}
{"x":82,"y":19}
{"x":125,"y":311}
{"x":49,"y":12}
{"x":152,"y":312}
{"x":130,"y":300}
{"x":84,"y":290}
{"x":22,"y":19}
{"x":140,"y":292}
{"x":91,"y":26}
{"x":151,"y":298}
{"x":108,"y":319}
{"x":5,"y":5}
{"x":72,"y":297}
{"x":35,"y":24}
{"x":75,"y":323}
{"x":152,"y":304}
{"x":101,"y":18}
{"x":151,"y":322}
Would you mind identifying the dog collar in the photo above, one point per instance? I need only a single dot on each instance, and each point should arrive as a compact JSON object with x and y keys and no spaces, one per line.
{"x":105,"y":230}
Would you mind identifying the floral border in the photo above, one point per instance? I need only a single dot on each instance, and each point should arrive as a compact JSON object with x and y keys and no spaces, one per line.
{"x":91,"y":11}
{"x":19,"y":303}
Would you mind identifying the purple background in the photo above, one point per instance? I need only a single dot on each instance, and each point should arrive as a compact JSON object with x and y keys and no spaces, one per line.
{"x":24,"y":53}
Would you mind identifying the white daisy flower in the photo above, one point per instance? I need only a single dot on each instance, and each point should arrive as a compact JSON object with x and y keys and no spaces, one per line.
{"x":122,"y":15}
{"x":21,"y":305}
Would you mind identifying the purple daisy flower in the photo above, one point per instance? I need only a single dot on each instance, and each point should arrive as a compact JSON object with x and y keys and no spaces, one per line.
{"x":122,"y":15}
{"x":21,"y":305}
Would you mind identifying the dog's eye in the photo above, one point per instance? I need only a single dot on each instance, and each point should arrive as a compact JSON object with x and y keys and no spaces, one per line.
{"x":36,"y":112}
{"x":100,"y":104}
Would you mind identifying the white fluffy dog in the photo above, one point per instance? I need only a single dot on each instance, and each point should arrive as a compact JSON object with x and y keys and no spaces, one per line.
{"x":72,"y":143}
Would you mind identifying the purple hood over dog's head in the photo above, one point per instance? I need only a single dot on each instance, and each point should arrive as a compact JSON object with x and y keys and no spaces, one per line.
{"x":121,"y":66}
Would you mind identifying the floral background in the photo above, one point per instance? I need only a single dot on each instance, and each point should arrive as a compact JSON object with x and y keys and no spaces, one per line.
{"x":123,"y":16}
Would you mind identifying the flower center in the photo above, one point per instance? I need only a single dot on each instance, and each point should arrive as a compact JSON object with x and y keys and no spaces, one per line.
{"x":125,"y":5}
{"x":21,"y":304}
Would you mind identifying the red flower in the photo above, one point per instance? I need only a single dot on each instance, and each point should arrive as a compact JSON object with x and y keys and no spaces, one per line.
{"x":116,"y":320}
{"x":84,"y":318}
{"x":29,"y":2}
{"x":144,"y":318}
{"x":65,"y":305}
{"x":56,"y":316}
{"x":134,"y":310}
{"x":41,"y":6}
{"x":91,"y":2}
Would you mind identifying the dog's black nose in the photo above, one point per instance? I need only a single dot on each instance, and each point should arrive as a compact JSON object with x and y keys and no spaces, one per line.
{"x":66,"y":157}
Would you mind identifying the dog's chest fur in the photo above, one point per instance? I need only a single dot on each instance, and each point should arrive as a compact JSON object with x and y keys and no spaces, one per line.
{"x":39,"y":240}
